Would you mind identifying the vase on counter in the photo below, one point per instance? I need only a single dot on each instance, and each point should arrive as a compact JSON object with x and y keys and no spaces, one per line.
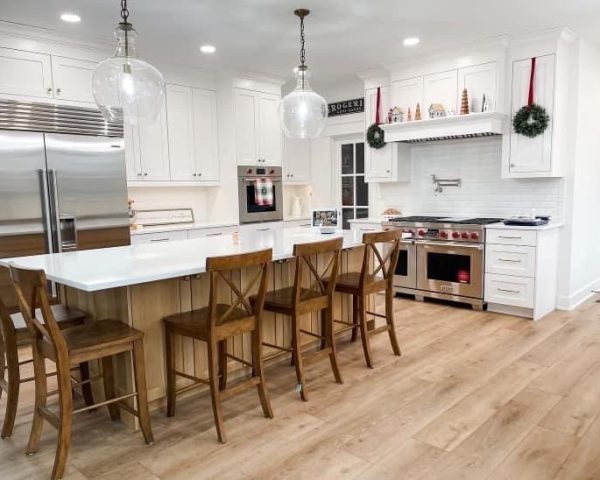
{"x":131,"y":213}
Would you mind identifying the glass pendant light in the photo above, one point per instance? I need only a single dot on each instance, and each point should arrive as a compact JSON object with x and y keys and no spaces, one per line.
{"x":126,"y":88}
{"x":303,"y":112}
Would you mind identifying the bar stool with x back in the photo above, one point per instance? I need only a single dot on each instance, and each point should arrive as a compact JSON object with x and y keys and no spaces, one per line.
{"x":216,"y":323}
{"x":296,"y":301}
{"x":381,"y":251}
{"x":69,"y":347}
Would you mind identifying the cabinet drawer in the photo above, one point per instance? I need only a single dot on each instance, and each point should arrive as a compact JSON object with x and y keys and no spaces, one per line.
{"x":159,"y":237}
{"x":508,"y":290}
{"x":305,"y":223}
{"x":365,"y":227}
{"x":212,"y":232}
{"x":510,"y":260}
{"x":511,"y":236}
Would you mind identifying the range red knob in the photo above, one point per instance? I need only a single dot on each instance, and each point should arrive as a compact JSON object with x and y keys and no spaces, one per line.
{"x":411,"y":231}
{"x":464,"y":235}
{"x":474,"y":236}
{"x":455,"y":234}
{"x":444,"y":234}
{"x":249,"y":170}
{"x":271,"y":172}
{"x":422,"y":233}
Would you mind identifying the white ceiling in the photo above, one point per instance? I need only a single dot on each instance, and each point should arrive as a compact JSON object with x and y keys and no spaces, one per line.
{"x":343,"y":36}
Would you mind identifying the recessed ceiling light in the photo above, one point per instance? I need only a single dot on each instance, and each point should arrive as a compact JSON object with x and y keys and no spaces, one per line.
{"x":70,"y":17}
{"x":208,"y":49}
{"x":411,"y":41}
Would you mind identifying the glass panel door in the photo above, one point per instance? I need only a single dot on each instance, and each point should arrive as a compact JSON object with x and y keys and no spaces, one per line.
{"x":354,"y":190}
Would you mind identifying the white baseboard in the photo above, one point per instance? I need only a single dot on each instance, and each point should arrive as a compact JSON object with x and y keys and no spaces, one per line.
{"x":570,"y":302}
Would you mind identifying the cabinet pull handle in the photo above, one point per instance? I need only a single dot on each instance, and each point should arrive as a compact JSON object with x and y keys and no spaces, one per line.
{"x":367,"y":229}
{"x":509,"y":260}
{"x":263,"y":229}
{"x":510,"y":237}
{"x":214,"y":234}
{"x":508,"y":291}
{"x":159,"y":239}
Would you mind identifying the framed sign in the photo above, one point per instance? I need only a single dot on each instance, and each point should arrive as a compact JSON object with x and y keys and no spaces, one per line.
{"x":345,"y":107}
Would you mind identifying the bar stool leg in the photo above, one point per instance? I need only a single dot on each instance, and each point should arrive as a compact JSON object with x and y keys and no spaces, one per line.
{"x":364,"y":333}
{"x":297,"y":355}
{"x":170,"y":359}
{"x":139,"y":370}
{"x":222,"y":364}
{"x":213,"y":374}
{"x":12,"y":392}
{"x":108,"y":377}
{"x":39,"y":368}
{"x":65,"y":397}
{"x":260,"y":373}
{"x":327,"y":318}
{"x":355,"y":318}
{"x":389,"y":318}
{"x":86,"y":388}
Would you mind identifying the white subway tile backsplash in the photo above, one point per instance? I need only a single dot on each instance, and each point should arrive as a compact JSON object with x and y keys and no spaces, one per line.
{"x":477,"y":162}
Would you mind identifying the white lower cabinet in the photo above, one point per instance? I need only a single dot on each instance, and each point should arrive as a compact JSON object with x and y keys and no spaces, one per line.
{"x":365,"y":226}
{"x":159,"y":237}
{"x":212,"y":232}
{"x":521,"y":270}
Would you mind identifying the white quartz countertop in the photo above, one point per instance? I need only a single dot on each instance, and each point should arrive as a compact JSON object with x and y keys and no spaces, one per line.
{"x":179,"y":226}
{"x":501,"y":226}
{"x":93,"y":270}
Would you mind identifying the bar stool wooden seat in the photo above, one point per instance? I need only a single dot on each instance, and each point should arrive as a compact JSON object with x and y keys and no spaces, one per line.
{"x":217,"y":322}
{"x":67,"y":348}
{"x":14,"y":335}
{"x":297,"y":300}
{"x":381,"y":253}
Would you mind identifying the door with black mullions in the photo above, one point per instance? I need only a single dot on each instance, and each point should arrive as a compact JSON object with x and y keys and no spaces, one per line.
{"x":354,"y":189}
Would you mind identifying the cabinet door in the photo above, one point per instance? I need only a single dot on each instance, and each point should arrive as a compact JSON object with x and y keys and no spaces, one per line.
{"x":180,"y":121}
{"x":154,"y":150}
{"x":532,"y":155}
{"x":440,"y":88}
{"x":205,"y":134}
{"x":406,"y":94}
{"x":379,"y":163}
{"x":246,"y":115}
{"x":478,"y":80}
{"x":72,"y":79}
{"x":132,"y":153}
{"x":296,"y":160}
{"x":25,"y":73}
{"x":269,"y":129}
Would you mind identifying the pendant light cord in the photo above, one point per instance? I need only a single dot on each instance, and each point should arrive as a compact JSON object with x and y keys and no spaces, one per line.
{"x":125,"y":16}
{"x":301,"y":13}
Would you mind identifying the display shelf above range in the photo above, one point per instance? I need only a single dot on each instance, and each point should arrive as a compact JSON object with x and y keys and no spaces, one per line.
{"x":454,"y":127}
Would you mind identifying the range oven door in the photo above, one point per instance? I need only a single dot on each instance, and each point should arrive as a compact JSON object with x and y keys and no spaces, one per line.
{"x":405,"y":275}
{"x":260,"y":201}
{"x":450,"y":268}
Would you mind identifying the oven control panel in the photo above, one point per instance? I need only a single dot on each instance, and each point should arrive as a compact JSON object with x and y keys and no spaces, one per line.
{"x":450,"y":234}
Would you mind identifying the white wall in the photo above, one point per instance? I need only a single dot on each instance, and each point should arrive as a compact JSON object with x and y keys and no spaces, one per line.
{"x":156,"y":198}
{"x":580,"y":271}
{"x":477,"y":162}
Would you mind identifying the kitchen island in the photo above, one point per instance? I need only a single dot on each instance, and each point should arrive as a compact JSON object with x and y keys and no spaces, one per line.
{"x":141,"y":284}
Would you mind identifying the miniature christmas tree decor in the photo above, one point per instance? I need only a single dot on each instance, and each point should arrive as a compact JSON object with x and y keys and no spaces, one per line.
{"x":418,"y":112}
{"x":464,"y":104}
{"x":409,"y":116}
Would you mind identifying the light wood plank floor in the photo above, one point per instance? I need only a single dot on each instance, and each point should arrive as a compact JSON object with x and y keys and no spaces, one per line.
{"x":475,"y":396}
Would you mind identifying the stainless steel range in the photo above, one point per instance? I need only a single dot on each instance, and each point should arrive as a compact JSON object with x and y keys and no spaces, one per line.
{"x":442,"y":257}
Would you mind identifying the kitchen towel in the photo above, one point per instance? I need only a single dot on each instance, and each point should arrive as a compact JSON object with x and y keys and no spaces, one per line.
{"x":263,"y":192}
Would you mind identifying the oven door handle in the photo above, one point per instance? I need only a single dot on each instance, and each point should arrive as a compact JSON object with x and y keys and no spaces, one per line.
{"x":428,"y":245}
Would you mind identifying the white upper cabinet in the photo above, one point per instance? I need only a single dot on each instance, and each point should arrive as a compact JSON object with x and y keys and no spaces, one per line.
{"x":296,"y":161}
{"x":379,"y":163}
{"x":440,"y":88}
{"x":479,"y":80}
{"x":406,"y":94}
{"x":25,"y":73}
{"x":257,"y":128}
{"x":72,"y":79}
{"x":192,"y":139}
{"x":530,"y":157}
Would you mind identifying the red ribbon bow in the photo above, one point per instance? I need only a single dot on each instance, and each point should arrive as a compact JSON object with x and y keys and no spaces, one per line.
{"x":378,"y":106}
{"x":531,"y":82}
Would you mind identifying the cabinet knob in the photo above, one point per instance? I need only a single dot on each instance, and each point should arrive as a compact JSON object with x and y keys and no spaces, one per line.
{"x":512,"y":165}
{"x":58,"y":91}
{"x":49,"y":90}
{"x":387,"y":171}
{"x":145,"y":174}
{"x":291,"y":175}
{"x":199,"y":174}
{"x":193,"y":174}
{"x":139,"y":174}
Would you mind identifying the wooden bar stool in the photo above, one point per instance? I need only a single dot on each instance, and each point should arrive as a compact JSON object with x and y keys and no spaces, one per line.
{"x":14,"y":335}
{"x":69,"y":347}
{"x":217,"y":322}
{"x":296,"y":300}
{"x":381,"y":253}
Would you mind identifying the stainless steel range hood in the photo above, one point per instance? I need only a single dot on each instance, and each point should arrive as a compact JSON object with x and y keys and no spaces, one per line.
{"x":457,"y":127}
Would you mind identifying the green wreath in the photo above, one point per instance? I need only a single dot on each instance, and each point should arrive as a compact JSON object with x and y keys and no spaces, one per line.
{"x":531,"y":121}
{"x":375,"y":136}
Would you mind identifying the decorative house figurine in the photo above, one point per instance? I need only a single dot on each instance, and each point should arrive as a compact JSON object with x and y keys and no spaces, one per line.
{"x":390,"y":115}
{"x":409,"y":116}
{"x":418,"y":112}
{"x":398,"y":115}
{"x":437,"y":110}
{"x":464,"y":103}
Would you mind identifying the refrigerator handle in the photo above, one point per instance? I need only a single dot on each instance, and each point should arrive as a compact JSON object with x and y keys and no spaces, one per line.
{"x":46,"y":213}
{"x":64,"y":224}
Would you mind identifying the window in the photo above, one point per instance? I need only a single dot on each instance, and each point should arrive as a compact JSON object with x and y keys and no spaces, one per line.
{"x":355,"y":191}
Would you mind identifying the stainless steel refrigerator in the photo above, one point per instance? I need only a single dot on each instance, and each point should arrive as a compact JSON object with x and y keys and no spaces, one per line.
{"x":62,"y":182}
